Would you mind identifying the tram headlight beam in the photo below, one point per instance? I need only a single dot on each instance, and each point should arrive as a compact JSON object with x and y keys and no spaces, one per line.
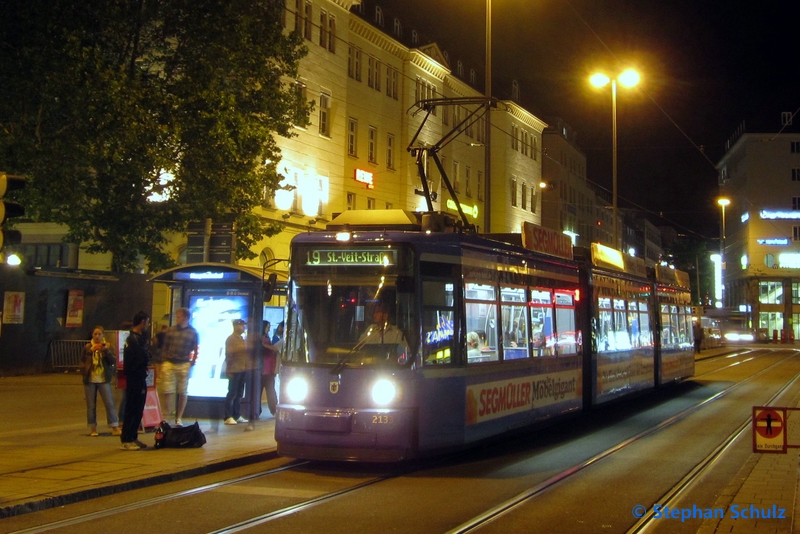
{"x":297,"y":389}
{"x":383,"y":392}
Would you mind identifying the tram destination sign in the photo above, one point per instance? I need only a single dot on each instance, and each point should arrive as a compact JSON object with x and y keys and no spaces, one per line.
{"x":350,"y":257}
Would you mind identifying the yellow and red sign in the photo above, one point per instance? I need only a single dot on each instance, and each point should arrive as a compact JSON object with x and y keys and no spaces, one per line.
{"x":505,"y":397}
{"x":769,"y":429}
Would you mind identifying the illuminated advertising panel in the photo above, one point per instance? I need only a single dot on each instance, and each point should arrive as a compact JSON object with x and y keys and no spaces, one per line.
{"x":212,"y":316}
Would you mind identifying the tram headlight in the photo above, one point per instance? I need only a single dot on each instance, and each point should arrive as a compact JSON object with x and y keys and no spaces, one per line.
{"x":297,"y":389}
{"x":383,"y":392}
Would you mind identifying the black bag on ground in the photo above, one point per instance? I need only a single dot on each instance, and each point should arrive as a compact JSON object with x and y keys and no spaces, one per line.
{"x":180,"y":437}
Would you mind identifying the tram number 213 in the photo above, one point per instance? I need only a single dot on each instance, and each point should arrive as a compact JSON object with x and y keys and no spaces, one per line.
{"x":381,"y":419}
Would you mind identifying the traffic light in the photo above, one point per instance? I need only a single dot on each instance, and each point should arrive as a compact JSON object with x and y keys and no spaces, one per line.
{"x":10,"y":209}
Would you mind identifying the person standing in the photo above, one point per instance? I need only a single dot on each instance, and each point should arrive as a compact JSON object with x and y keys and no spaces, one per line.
{"x":237,"y":363}
{"x":136,"y":358}
{"x":179,"y":354}
{"x":97,"y":368}
{"x":270,"y":349}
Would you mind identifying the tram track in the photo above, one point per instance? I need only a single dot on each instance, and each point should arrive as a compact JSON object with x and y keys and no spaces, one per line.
{"x":474,"y":524}
{"x":525,"y":497}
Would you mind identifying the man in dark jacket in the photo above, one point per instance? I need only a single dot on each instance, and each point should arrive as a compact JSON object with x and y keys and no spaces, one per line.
{"x":136,"y":358}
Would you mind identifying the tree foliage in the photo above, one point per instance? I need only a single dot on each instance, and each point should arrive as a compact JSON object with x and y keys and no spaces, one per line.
{"x":104,"y":100}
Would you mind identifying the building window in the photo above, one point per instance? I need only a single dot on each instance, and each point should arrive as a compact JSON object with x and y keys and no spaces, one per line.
{"x":351,"y":201}
{"x":795,"y":233}
{"x":324,"y":114}
{"x":525,"y":142}
{"x":454,"y":181}
{"x":533,"y":148}
{"x":354,"y":63}
{"x":323,"y":29}
{"x":514,"y":191}
{"x":467,"y":181}
{"x":472,"y":77}
{"x":398,"y":28}
{"x":796,"y":203}
{"x":446,"y":115}
{"x":352,"y":137}
{"x":391,"y":82}
{"x":379,"y":16}
{"x":514,"y":137}
{"x":370,"y":203}
{"x":332,"y":34}
{"x":372,"y":151}
{"x":479,"y":185}
{"x":533,"y":198}
{"x":414,"y":37}
{"x":795,"y":147}
{"x":308,"y":18}
{"x":459,"y":69}
{"x":482,"y":130}
{"x":298,"y":16}
{"x":374,"y":73}
{"x":796,"y":175}
{"x":770,"y":292}
{"x":389,"y":205}
{"x":390,"y":151}
{"x":523,"y":197}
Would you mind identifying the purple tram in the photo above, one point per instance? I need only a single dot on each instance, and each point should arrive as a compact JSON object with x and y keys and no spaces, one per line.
{"x":406,"y":336}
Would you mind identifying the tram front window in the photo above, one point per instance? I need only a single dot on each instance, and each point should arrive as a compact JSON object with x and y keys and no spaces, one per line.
{"x":369,"y":324}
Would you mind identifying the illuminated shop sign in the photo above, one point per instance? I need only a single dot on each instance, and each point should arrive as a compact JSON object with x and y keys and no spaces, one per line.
{"x":345,"y":257}
{"x":776,"y":241}
{"x":547,"y":241}
{"x":207,"y":276}
{"x":767,"y":214}
{"x":469,"y":210}
{"x":365,"y":177}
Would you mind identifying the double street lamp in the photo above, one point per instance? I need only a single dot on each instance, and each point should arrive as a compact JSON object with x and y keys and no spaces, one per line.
{"x":627,"y":78}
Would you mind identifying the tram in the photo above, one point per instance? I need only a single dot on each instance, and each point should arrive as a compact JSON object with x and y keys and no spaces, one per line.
{"x":406,"y":336}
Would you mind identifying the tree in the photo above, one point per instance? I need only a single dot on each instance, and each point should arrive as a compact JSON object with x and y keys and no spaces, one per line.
{"x":693,"y":256}
{"x":109,"y":104}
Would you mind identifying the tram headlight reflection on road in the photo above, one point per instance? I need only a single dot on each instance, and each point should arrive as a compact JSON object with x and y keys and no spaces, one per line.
{"x":297,"y":389}
{"x":383,"y":392}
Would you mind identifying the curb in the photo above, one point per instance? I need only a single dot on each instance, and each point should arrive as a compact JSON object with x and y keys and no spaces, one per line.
{"x":93,"y":493}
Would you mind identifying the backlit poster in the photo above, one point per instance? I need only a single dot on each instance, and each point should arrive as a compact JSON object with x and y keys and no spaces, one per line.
{"x":212,"y":316}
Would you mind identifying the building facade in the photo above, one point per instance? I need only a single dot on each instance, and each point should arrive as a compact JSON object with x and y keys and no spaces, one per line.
{"x":760,"y":245}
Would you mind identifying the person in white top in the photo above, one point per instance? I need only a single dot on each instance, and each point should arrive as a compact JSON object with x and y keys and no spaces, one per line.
{"x":380,"y":331}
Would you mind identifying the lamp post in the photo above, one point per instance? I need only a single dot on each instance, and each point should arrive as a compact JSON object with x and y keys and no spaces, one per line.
{"x":487,"y":198}
{"x":723,"y":202}
{"x":627,"y":78}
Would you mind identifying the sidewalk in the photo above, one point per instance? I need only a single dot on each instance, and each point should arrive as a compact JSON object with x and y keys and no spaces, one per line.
{"x":47,"y":458}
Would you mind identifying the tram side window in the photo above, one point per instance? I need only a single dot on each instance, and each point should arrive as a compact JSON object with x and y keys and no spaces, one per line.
{"x":633,"y":324}
{"x":437,"y":322}
{"x":621,"y":335}
{"x":565,"y":324}
{"x":605,"y":325}
{"x":542,"y":328}
{"x":645,"y":333}
{"x":684,"y":332}
{"x":481,"y":319}
{"x":515,"y":323}
{"x":669,"y":333}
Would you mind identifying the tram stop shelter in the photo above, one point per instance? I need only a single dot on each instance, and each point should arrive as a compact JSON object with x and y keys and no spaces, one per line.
{"x":215,"y":294}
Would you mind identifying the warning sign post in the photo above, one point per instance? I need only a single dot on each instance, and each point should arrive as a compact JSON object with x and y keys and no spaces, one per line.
{"x":769,"y":429}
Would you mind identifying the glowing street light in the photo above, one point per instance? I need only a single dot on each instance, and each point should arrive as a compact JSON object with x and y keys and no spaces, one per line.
{"x":627,"y":78}
{"x":723,"y":202}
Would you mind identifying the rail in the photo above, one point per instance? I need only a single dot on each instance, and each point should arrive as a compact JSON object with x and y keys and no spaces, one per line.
{"x":65,"y":353}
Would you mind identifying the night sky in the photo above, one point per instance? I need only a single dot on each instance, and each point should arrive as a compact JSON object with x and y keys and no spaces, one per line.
{"x":707,"y":66}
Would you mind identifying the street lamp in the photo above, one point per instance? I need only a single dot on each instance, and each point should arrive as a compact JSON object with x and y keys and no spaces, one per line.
{"x":487,"y":203}
{"x":627,"y":78}
{"x":722,"y":203}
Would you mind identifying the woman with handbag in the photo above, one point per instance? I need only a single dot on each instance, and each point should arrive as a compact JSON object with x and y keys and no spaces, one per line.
{"x":97,"y":368}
